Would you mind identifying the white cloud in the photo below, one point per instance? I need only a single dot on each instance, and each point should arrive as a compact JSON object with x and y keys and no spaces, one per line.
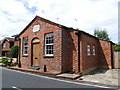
{"x":90,"y":14}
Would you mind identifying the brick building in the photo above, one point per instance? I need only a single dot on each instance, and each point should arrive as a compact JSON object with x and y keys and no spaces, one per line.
{"x":16,"y":39}
{"x":0,"y":48}
{"x":59,"y":48}
{"x":6,"y":44}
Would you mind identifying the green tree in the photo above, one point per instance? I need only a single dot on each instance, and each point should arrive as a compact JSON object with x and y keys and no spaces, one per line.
{"x":117,"y":47}
{"x":101,"y":34}
{"x":14,"y":51}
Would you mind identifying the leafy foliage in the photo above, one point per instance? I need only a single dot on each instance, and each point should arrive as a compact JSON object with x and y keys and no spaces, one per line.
{"x":0,"y":60}
{"x":7,"y":61}
{"x":117,"y":47}
{"x":14,"y":51}
{"x":101,"y":34}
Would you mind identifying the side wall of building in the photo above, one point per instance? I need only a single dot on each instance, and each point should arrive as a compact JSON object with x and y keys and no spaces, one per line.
{"x":105,"y":54}
{"x":69,"y":50}
{"x":88,"y":62}
{"x":74,"y":60}
{"x":103,"y":57}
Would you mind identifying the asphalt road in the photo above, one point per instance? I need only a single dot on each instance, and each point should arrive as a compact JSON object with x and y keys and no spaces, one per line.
{"x":19,"y":79}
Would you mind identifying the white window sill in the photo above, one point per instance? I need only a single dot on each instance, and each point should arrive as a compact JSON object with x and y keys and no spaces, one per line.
{"x":25,"y":55}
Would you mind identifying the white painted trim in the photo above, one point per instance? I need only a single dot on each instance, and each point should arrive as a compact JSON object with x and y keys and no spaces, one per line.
{"x":45,"y":45}
{"x":36,"y":28}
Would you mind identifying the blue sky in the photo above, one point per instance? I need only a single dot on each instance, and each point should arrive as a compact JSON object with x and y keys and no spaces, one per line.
{"x":83,"y":14}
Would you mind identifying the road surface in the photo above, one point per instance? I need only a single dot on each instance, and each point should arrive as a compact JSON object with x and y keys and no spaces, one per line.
{"x":18,"y":79}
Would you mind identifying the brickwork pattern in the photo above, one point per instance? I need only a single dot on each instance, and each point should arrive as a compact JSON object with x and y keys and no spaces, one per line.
{"x":104,"y":58}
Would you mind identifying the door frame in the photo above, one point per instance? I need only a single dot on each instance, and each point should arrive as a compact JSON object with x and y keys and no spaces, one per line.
{"x":32,"y":43}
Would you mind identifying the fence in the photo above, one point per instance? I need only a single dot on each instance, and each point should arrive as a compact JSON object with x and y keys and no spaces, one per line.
{"x":116,"y":61}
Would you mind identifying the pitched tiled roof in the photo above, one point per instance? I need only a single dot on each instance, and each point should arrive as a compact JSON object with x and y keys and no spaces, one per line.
{"x":15,"y":35}
{"x":48,"y":21}
{"x":59,"y":25}
{"x":8,"y":39}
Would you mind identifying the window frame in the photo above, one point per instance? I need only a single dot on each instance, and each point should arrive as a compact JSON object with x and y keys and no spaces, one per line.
{"x":88,"y":50}
{"x":45,"y":45}
{"x":24,"y":46}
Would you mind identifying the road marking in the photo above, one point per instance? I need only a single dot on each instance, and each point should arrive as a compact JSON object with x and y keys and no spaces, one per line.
{"x":16,"y":88}
{"x":100,"y":86}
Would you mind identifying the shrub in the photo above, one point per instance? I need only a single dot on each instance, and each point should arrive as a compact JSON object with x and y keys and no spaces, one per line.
{"x":14,"y":51}
{"x":7,"y":61}
{"x":0,"y":60}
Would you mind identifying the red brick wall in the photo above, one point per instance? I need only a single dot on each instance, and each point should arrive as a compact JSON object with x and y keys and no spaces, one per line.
{"x":88,"y":62}
{"x":7,"y":45}
{"x":105,"y":58}
{"x":16,"y":43}
{"x":53,"y":63}
{"x":69,"y":50}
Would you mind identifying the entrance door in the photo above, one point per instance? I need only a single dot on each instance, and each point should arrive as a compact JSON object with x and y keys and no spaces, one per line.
{"x":36,"y":54}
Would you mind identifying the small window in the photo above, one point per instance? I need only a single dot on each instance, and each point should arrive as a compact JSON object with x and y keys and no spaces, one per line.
{"x":4,"y":45}
{"x":25,"y":46}
{"x":93,"y":50}
{"x":49,"y":44}
{"x":88,"y":50}
{"x":16,"y":38}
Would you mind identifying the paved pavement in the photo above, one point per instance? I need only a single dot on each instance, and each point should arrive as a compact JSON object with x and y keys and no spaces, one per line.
{"x":18,"y":79}
{"x":68,"y":75}
{"x":108,"y":77}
